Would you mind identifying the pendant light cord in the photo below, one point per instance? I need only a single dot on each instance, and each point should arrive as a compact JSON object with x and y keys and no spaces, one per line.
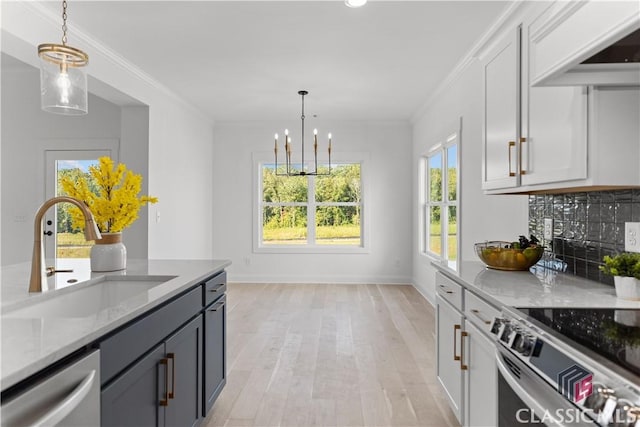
{"x":302,"y":117}
{"x":64,"y":22}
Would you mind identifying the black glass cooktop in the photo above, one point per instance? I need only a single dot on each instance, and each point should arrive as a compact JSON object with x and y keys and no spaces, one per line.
{"x":612,"y":333}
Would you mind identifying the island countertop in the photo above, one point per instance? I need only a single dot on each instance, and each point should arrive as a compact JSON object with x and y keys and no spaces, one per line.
{"x":31,"y":344}
{"x":538,"y":287}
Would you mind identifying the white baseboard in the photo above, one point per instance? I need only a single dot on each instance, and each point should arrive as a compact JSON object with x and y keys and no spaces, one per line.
{"x":338,"y":279}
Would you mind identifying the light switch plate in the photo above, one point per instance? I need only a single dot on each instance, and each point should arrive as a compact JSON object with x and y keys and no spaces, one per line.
{"x":548,"y":228}
{"x":632,"y":236}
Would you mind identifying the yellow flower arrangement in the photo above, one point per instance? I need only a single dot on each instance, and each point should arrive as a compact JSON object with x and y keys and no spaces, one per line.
{"x":114,"y":201}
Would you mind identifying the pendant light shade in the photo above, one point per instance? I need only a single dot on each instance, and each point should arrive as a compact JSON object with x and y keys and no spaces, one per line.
{"x":63,"y":77}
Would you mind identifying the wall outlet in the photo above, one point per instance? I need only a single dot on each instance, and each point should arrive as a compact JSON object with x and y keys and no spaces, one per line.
{"x":632,"y":236}
{"x":548,"y":229}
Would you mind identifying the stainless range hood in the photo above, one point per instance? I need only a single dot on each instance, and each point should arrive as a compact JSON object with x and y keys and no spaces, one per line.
{"x":587,"y":43}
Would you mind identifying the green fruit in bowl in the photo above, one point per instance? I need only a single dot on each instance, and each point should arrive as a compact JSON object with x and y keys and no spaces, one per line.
{"x":532,"y":253}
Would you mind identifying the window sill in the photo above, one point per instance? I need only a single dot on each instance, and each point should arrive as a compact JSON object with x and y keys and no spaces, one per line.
{"x":308,"y":249}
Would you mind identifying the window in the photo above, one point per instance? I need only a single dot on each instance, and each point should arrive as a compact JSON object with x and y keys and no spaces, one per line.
{"x":439,"y":195}
{"x":65,"y":241}
{"x":323,"y":213}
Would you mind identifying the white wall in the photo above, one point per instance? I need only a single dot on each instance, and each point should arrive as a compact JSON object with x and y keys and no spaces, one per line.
{"x":389,"y":258}
{"x":27,"y":132}
{"x":482,"y":217}
{"x":180,"y":137}
{"x":134,"y":152}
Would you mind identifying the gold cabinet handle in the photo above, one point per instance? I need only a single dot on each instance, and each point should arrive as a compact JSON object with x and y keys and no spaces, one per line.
{"x":164,"y":361}
{"x":172,"y":357}
{"x":446,"y":290}
{"x":462,"y":365}
{"x":477,"y":314}
{"x":522,"y":169}
{"x":511,"y":144}
{"x":455,"y":355}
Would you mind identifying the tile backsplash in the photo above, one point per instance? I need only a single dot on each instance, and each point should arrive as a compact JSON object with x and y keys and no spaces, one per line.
{"x":587,"y":226}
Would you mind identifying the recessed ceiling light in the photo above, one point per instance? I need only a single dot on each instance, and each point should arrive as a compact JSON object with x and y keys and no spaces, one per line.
{"x":355,"y":3}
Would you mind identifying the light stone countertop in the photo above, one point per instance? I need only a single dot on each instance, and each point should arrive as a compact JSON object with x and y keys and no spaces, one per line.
{"x":539,"y":287}
{"x":30,"y":344}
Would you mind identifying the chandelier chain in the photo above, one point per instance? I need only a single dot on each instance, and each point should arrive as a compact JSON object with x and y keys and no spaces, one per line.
{"x":64,"y":22}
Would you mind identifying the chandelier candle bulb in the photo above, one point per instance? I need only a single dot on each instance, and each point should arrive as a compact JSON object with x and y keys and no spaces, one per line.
{"x":315,"y":140}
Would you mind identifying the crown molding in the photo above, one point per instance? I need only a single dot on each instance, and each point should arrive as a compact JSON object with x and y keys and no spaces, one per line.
{"x":471,"y":56}
{"x":96,"y":47}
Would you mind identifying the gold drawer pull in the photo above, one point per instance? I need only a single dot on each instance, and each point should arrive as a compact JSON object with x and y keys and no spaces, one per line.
{"x":511,"y":144}
{"x":165,"y":402}
{"x":462,"y":365}
{"x":455,"y":356}
{"x":446,"y":290}
{"x":522,"y":170}
{"x":172,"y":357}
{"x":477,"y":314}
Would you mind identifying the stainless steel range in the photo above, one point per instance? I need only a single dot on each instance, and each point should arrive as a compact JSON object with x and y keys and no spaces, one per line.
{"x":568,"y":366}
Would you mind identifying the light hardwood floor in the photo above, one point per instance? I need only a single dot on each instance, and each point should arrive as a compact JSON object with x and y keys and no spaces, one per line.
{"x":329,"y":355}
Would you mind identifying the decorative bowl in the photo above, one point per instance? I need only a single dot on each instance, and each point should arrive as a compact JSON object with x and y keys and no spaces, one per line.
{"x":502,"y":256}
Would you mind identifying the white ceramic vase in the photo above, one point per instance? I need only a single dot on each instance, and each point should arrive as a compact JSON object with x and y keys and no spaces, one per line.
{"x":109,"y":253}
{"x":627,"y":287}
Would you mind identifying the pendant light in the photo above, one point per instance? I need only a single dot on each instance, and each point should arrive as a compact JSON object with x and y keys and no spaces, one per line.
{"x":63,"y":78}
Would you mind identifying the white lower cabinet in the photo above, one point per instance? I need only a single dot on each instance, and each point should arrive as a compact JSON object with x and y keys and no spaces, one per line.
{"x":480,"y":379}
{"x":449,"y":324}
{"x":466,"y":366}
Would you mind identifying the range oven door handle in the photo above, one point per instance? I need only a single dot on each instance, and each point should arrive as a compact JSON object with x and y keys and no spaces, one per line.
{"x":538,"y":395}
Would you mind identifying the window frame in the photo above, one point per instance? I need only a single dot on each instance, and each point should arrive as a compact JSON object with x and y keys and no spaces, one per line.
{"x":440,"y":148}
{"x":262,"y":158}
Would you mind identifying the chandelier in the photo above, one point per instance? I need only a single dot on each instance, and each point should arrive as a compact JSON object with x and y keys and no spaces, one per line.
{"x":290,"y":170}
{"x":63,"y":80}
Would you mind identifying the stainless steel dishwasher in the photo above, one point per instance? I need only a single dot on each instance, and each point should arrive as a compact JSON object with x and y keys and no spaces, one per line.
{"x":69,"y":396}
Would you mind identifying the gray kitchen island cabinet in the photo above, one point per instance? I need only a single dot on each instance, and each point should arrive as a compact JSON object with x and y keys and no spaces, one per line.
{"x":215,"y":341}
{"x":167,"y":367}
{"x":163,"y":388}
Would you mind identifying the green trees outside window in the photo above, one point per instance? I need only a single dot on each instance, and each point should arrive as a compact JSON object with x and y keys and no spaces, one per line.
{"x":440,"y":201}
{"x":70,"y":241}
{"x":321,"y":210}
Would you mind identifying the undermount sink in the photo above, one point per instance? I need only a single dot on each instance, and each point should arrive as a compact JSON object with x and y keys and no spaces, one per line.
{"x":106,"y":293}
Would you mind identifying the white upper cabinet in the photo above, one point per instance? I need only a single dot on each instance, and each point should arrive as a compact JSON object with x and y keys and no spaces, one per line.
{"x":532,"y":135}
{"x":538,"y":138}
{"x":501,"y":124}
{"x":574,"y":31}
{"x":554,"y":124}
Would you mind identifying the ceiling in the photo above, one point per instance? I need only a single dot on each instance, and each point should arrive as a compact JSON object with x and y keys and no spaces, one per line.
{"x":245,"y":60}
